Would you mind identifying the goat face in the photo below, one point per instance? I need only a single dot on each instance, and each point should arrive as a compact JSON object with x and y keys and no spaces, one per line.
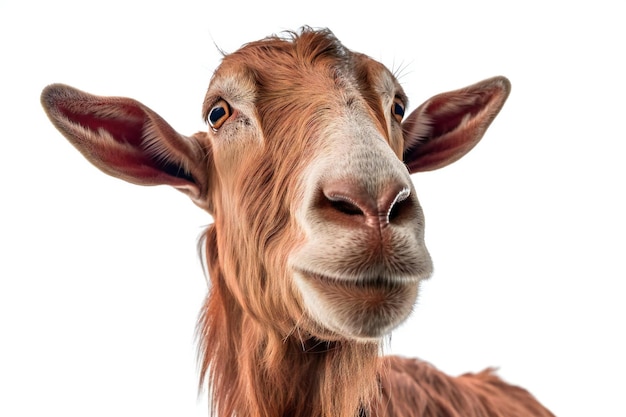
{"x":309,"y":160}
{"x":304,"y":169}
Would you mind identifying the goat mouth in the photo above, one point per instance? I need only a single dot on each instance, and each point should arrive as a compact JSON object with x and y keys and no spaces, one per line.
{"x":362,"y":308}
{"x":374,"y":283}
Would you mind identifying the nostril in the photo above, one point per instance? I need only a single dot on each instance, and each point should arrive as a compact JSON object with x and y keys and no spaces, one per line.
{"x":398,"y":206}
{"x":345,"y":205}
{"x":394,"y":212}
{"x":344,"y":198}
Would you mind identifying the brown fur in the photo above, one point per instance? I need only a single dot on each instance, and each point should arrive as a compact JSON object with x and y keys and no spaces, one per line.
{"x":410,"y":387}
{"x":259,"y":359}
{"x":262,"y":353}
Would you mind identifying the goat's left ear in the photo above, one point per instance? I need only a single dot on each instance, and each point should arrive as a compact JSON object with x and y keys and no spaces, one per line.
{"x":127,"y":140}
{"x":449,"y":125}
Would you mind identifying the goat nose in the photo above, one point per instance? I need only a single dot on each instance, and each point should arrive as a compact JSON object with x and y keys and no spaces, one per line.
{"x":346,"y":201}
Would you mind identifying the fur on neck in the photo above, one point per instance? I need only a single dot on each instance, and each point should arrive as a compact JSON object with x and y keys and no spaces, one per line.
{"x":254,"y":370}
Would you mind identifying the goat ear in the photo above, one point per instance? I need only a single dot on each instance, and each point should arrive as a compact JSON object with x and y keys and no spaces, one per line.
{"x":449,"y":125}
{"x":127,"y":140}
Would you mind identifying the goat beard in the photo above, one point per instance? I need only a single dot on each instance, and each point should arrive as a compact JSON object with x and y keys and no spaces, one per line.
{"x":260,"y":364}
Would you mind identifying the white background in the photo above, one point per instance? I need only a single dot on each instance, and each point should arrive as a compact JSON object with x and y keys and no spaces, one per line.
{"x":100,"y":284}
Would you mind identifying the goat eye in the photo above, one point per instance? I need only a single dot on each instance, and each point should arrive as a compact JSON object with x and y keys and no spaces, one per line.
{"x":219,"y":113}
{"x":397,"y":109}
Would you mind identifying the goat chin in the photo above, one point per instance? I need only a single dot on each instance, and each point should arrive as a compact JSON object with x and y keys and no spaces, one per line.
{"x":361,"y":310}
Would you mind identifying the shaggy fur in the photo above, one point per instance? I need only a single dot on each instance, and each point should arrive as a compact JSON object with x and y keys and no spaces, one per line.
{"x":275,"y":172}
{"x":267,"y":365}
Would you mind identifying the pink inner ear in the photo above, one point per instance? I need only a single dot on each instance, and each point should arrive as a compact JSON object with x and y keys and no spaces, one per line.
{"x":125,"y":125}
{"x":447,"y":116}
{"x":449,"y":125}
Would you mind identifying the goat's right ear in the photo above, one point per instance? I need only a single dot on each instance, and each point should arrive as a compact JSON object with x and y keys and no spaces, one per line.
{"x":127,"y":140}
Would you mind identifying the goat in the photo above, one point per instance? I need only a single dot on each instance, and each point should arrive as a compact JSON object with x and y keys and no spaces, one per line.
{"x":317,"y":247}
